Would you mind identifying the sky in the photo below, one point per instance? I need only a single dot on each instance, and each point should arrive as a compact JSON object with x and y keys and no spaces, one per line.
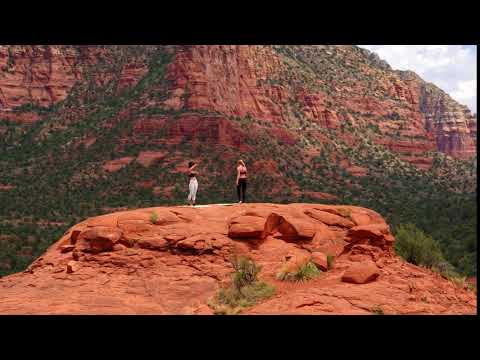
{"x":453,"y":68}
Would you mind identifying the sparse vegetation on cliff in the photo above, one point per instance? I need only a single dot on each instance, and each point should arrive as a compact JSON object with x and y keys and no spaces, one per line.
{"x":245,"y":289}
{"x":306,"y":272}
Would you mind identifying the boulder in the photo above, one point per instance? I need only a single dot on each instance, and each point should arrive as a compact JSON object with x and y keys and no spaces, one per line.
{"x":72,"y":266}
{"x":361,"y":273}
{"x":375,"y":234}
{"x":290,"y":226}
{"x":246,"y":227}
{"x":98,"y":239}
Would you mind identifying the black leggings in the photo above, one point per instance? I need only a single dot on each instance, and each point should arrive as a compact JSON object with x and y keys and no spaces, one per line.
{"x":241,"y":188}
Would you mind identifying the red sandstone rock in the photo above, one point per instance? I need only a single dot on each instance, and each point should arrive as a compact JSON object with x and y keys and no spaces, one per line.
{"x":74,"y":236}
{"x":153,"y":243}
{"x":246,"y":227}
{"x":376,"y":233}
{"x":180,"y":278}
{"x":100,"y":238}
{"x":67,"y":248}
{"x":173,"y":238}
{"x":361,"y":219}
{"x":36,"y":74}
{"x":361,"y":273}
{"x":117,"y":164}
{"x":119,"y":247}
{"x":294,"y":261}
{"x":320,"y":260}
{"x":72,"y":266}
{"x":222,"y":79}
{"x":291,"y":226}
{"x":147,"y":158}
{"x":329,"y":219}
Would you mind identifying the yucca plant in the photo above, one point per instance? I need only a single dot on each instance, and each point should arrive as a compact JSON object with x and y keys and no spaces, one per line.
{"x":245,"y":289}
{"x":246,"y":271}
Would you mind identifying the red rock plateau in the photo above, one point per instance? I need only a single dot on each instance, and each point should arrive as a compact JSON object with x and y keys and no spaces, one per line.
{"x":122,"y":263}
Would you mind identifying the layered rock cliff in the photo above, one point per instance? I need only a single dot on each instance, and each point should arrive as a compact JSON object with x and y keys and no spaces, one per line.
{"x":326,"y":85}
{"x":173,"y":260}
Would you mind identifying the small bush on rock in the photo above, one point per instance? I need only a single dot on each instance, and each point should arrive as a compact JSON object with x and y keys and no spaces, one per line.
{"x":306,"y":272}
{"x":244,"y":291}
{"x":246,"y":271}
{"x":153,"y":218}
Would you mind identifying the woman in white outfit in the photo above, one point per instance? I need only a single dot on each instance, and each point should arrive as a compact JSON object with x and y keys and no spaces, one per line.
{"x":193,"y":183}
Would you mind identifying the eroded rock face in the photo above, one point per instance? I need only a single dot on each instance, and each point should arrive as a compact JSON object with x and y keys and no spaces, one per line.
{"x":248,"y":80}
{"x":43,"y":75}
{"x":128,"y":264}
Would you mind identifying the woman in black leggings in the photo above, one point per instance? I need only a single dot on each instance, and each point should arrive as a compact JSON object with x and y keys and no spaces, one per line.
{"x":241,"y":181}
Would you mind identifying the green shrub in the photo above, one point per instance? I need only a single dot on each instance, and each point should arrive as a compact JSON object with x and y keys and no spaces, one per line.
{"x":416,"y":247}
{"x":244,"y":291}
{"x":306,"y":272}
{"x":458,"y":281}
{"x":246,"y":271}
{"x":153,"y":218}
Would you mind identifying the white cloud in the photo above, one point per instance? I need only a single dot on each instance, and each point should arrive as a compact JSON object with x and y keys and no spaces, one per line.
{"x":453,"y":68}
{"x":465,"y":90}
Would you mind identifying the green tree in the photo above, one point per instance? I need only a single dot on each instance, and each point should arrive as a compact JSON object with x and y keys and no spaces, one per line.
{"x":416,"y":247}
